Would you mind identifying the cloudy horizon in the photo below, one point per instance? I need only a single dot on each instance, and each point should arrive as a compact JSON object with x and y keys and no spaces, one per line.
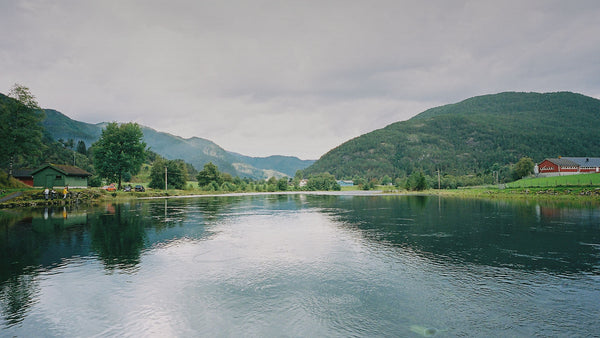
{"x":291,"y":78}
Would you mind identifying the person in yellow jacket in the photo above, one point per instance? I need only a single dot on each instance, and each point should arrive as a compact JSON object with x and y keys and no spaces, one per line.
{"x":65,"y":192}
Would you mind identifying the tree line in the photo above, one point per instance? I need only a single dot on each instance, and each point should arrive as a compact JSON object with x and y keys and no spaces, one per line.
{"x":120,"y":152}
{"x":117,"y":156}
{"x":477,"y":140}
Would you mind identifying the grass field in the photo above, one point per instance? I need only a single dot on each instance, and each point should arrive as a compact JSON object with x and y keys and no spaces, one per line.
{"x":557,"y":181}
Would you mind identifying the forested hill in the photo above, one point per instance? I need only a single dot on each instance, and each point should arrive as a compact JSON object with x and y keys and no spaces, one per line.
{"x":196,"y":151}
{"x":478,"y":135}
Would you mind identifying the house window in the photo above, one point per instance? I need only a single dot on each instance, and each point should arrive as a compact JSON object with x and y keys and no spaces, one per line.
{"x":58,"y":177}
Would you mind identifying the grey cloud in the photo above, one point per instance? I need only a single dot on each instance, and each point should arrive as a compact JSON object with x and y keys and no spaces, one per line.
{"x":250,"y":75}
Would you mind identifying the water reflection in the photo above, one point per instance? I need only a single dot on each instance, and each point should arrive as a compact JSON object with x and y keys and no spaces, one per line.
{"x":117,"y":237}
{"x":116,"y":234}
{"x":38,"y":241}
{"x":328,"y":248}
{"x":16,"y":297}
{"x":494,"y":233}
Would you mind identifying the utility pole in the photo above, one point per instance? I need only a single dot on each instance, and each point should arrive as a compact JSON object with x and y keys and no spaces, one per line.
{"x":165,"y":178}
{"x":439,"y":180}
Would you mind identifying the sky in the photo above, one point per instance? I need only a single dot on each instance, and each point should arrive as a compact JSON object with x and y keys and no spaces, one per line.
{"x":289,"y":77}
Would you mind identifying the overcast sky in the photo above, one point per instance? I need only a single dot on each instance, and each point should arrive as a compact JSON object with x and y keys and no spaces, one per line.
{"x":289,"y":77}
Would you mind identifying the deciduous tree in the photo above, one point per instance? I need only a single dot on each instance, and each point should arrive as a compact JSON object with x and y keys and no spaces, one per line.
{"x":21,"y":129}
{"x":209,"y":174}
{"x":523,"y":167}
{"x":322,"y":182}
{"x":417,"y":181}
{"x":282,"y":184}
{"x":176,"y":174}
{"x":120,"y":149}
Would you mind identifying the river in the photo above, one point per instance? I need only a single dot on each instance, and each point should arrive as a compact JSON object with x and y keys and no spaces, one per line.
{"x":301,"y":265}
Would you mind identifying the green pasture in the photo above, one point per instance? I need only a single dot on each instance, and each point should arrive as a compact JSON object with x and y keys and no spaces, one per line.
{"x":580,"y":180}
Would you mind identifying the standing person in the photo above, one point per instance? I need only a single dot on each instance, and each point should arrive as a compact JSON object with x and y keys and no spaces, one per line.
{"x":65,"y":192}
{"x":46,"y":192}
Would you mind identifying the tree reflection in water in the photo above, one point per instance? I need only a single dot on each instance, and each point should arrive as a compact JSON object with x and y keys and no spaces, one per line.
{"x":516,"y":234}
{"x":118,"y":237}
{"x":31,"y":242}
{"x":531,"y":237}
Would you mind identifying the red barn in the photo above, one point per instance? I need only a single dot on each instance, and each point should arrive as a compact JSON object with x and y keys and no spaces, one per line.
{"x":24,"y":175}
{"x":568,"y":166}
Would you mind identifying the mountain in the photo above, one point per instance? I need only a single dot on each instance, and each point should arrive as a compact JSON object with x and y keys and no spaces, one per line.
{"x":196,"y":151}
{"x":63,"y":127}
{"x":478,"y":135}
{"x":285,"y":164}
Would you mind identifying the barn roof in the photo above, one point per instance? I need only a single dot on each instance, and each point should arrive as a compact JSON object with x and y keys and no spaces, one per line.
{"x":67,"y":170}
{"x":22,"y":173}
{"x":585,"y":161}
{"x":562,"y":162}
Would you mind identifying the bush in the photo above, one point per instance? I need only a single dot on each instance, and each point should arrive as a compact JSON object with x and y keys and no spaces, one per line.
{"x":95,"y":181}
{"x":10,"y":182}
{"x":417,"y":181}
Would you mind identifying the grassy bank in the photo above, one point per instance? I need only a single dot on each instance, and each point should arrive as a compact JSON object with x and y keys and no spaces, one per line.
{"x":584,"y":187}
{"x":30,"y":197}
{"x":582,"y":194}
{"x":581,"y":180}
{"x":563,"y":188}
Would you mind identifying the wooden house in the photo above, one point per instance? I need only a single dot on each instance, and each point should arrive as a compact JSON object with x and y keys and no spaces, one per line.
{"x":59,"y":176}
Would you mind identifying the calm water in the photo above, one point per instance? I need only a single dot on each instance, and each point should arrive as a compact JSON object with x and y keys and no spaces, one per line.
{"x":302,"y":265}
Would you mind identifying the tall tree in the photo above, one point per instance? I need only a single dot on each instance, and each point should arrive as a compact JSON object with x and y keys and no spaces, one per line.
{"x":81,"y":148}
{"x":21,"y":129}
{"x":120,"y":149}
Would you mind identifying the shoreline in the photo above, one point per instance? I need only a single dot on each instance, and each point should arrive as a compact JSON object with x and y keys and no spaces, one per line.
{"x":34,"y":198}
{"x":257,"y":193}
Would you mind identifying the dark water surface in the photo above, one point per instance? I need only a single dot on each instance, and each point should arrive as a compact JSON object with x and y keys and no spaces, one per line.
{"x":302,"y":265}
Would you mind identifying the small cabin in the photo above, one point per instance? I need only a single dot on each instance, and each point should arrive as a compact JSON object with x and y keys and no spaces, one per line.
{"x":24,"y":175}
{"x":53,"y":176}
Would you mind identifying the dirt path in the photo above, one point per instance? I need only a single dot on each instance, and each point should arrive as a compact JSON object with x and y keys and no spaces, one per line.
{"x":11,"y":196}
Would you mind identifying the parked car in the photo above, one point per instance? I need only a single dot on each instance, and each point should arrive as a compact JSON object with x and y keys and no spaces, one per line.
{"x":127,"y":189}
{"x":110,"y":187}
{"x":140,"y":188}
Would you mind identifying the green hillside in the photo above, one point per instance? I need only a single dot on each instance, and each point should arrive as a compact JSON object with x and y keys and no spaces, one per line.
{"x":476,"y":136}
{"x":48,"y":151}
{"x":62,"y":127}
{"x":196,"y":151}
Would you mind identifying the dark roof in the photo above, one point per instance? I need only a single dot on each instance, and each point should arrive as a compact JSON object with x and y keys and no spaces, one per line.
{"x":67,"y":170}
{"x":585,"y":161}
{"x":22,"y":173}
{"x":562,"y":162}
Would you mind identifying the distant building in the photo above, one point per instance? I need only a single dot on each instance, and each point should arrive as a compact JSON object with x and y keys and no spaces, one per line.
{"x":345,"y":183}
{"x":58,"y":176}
{"x":303,"y":183}
{"x":24,"y":175}
{"x":567,"y":166}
